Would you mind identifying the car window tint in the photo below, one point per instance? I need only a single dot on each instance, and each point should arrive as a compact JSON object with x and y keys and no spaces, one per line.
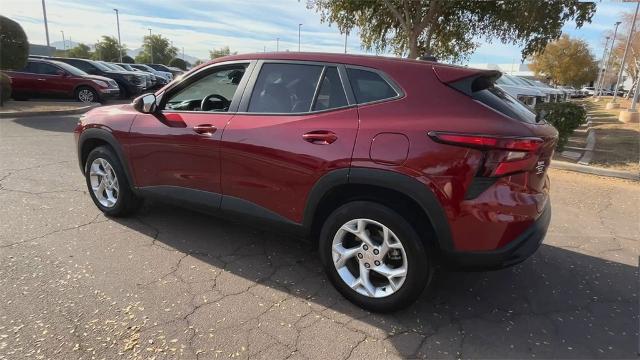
{"x":84,"y":66}
{"x":32,"y":67}
{"x":47,"y":69}
{"x":284,"y":88}
{"x":369,"y":86}
{"x":219,"y":86}
{"x":331,"y":93}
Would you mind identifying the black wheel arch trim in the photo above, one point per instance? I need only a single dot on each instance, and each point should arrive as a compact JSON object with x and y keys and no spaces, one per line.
{"x":405,"y":184}
{"x":106,"y":136}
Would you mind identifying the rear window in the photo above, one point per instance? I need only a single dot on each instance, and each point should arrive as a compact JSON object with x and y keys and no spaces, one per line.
{"x":502,"y":102}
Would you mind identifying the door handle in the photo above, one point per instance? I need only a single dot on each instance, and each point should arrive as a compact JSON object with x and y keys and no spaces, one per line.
{"x":205,"y":129}
{"x":320,"y":137}
{"x":41,"y":79}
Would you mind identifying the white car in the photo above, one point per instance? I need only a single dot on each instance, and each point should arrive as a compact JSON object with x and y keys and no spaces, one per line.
{"x":588,"y":90}
{"x":163,"y":74}
{"x":526,"y":94}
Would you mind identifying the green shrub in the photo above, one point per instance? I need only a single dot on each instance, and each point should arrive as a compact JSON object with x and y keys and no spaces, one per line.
{"x":564,"y":116}
{"x":14,"y":46}
{"x":5,"y":88}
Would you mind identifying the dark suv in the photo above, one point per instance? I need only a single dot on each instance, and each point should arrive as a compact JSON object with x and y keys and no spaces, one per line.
{"x":129,"y":84}
{"x":390,"y":166}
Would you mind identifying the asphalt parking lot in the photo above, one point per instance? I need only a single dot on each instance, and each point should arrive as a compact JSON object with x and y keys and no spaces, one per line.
{"x":174,"y":283}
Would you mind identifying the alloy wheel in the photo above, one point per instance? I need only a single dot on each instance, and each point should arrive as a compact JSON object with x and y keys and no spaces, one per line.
{"x":85,"y":95}
{"x":369,"y":258}
{"x":104,"y":182}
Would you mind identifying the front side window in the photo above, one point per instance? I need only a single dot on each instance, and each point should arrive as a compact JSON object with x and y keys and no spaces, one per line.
{"x":213,"y":92}
{"x":369,"y":86}
{"x":284,"y":88}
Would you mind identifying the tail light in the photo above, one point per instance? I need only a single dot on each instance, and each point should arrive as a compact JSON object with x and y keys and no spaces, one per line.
{"x":502,"y":155}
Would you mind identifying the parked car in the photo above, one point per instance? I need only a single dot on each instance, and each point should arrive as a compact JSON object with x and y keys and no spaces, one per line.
{"x":148,"y":79}
{"x":163,"y":74}
{"x":526,"y":94}
{"x":542,"y":95}
{"x":560,"y":94}
{"x":588,"y":90}
{"x":130,"y":84}
{"x":570,"y":91}
{"x":48,"y":78}
{"x":389,"y":166}
{"x":552,"y":95}
{"x":174,"y":71}
{"x":158,"y":81}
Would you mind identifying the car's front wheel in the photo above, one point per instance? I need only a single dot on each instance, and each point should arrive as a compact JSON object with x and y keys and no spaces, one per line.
{"x":107,"y":183}
{"x":86,"y":94}
{"x":373,"y":256}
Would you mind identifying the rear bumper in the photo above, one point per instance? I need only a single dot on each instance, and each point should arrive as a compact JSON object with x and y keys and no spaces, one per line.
{"x":518,"y":250}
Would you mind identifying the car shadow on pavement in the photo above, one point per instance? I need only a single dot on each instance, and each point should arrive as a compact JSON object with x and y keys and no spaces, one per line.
{"x":558,"y":304}
{"x":64,"y":124}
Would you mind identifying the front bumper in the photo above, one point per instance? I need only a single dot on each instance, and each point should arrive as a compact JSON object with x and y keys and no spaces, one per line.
{"x":518,"y":250}
{"x":109,"y":93}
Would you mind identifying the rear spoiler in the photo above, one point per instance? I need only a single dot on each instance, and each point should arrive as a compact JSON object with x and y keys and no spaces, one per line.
{"x":466,"y":80}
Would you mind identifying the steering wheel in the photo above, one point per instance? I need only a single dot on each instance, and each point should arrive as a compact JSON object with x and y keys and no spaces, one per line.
{"x":205,"y":104}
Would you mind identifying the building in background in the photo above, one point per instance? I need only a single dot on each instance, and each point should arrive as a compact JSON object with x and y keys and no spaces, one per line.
{"x":42,"y":50}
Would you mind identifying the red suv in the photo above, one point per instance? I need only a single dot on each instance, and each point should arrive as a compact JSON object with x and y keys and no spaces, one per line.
{"x":49,"y":78}
{"x":390,"y":165}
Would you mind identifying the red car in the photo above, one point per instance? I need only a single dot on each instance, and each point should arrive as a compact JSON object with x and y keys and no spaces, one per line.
{"x":54,"y":79}
{"x":390,"y":166}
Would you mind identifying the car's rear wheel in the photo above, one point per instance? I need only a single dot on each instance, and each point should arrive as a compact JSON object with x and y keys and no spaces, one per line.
{"x":373,"y":256}
{"x":107,"y":183}
{"x":86,"y":94}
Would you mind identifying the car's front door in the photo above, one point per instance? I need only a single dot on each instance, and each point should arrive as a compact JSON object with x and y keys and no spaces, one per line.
{"x":176,"y":151}
{"x":295,"y":123}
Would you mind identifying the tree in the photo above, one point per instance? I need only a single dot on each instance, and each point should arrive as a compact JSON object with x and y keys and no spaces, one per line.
{"x":80,"y":51}
{"x":14,"y":46}
{"x":450,"y":29}
{"x":179,"y":63}
{"x":108,"y":49}
{"x":223,"y":51}
{"x":198,"y":62}
{"x":566,"y":61}
{"x":162,"y":50}
{"x":128,"y":59}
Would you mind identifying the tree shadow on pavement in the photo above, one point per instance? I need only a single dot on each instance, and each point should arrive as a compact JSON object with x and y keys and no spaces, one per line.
{"x":64,"y":124}
{"x":558,"y":304}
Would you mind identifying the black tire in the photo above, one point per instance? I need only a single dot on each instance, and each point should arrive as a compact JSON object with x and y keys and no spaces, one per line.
{"x":419,"y":266}
{"x":126,"y":203}
{"x":94,"y":94}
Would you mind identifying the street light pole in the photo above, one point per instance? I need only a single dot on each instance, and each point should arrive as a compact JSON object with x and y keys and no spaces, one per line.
{"x":64,"y":42}
{"x":299,"y":26}
{"x":277,"y":44}
{"x":600,"y":70}
{"x":46,"y":25}
{"x":346,"y":35}
{"x":150,"y":45}
{"x":119,"y":42}
{"x":613,"y":104}
{"x":613,"y":43}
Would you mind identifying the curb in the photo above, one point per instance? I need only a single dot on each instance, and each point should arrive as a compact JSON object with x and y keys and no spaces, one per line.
{"x":563,"y":165}
{"x":79,"y":110}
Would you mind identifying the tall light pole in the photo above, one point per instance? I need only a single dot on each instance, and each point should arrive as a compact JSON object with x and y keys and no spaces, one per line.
{"x":150,"y":45}
{"x":299,"y":26}
{"x":346,"y":35}
{"x":613,"y":43}
{"x":64,"y":42}
{"x":46,"y":25}
{"x":600,"y":70}
{"x":119,"y":42}
{"x":277,"y":44}
{"x":612,"y":104}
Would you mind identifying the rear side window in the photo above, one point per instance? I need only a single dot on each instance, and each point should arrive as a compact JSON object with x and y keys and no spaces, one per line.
{"x":284,"y":88}
{"x":331,"y":93}
{"x":369,"y":86}
{"x":500,"y":101}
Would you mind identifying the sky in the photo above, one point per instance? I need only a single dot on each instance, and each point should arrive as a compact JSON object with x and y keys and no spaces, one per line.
{"x":243,"y":25}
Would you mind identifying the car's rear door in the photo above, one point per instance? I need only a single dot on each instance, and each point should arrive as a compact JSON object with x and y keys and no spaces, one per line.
{"x":296,"y":122}
{"x":176,"y":152}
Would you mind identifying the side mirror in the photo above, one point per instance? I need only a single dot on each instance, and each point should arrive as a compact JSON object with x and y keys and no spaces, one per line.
{"x":146,"y":104}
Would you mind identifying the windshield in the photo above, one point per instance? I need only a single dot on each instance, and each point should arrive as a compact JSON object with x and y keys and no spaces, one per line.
{"x":100,"y":65}
{"x":143,"y":67}
{"x":70,"y":69}
{"x":126,"y":66}
{"x":504,"y":80}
